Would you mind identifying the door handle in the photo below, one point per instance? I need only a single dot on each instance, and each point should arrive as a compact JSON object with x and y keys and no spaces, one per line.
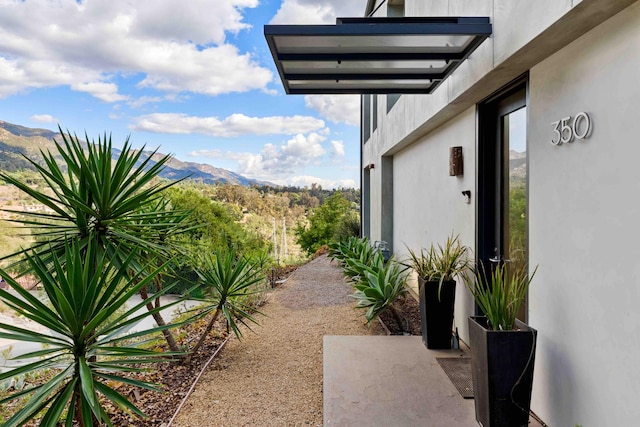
{"x":497,"y":258}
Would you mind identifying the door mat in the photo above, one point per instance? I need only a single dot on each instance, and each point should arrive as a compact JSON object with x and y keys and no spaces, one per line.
{"x":458,"y":369}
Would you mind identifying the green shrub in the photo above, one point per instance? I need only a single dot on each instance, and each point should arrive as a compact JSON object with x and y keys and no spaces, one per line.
{"x":323,"y":223}
{"x":377,"y":283}
{"x":352,"y":247}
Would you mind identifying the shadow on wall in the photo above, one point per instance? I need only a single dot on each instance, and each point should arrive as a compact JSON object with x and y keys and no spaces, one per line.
{"x":561,"y":388}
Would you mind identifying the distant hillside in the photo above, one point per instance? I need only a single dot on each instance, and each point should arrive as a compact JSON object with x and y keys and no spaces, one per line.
{"x":517,"y":164}
{"x":16,"y":140}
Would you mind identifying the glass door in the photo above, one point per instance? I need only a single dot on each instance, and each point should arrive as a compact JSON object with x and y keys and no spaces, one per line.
{"x":502,"y":186}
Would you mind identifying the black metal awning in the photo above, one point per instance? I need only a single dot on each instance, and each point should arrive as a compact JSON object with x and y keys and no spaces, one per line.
{"x":373,"y":55}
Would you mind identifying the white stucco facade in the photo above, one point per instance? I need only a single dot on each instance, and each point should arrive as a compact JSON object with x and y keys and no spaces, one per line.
{"x":583,"y":197}
{"x":585,"y":229}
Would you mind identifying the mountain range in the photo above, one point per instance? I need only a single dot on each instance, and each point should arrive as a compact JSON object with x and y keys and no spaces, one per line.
{"x":18,"y":141}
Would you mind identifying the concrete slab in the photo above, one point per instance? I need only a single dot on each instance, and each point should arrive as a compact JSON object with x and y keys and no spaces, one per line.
{"x":391,"y":381}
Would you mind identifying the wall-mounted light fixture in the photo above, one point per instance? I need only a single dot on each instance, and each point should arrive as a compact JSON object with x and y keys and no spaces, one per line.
{"x":456,"y":164}
{"x":467,"y":196}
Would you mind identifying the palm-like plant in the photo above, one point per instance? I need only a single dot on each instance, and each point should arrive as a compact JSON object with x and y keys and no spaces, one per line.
{"x":96,"y":198}
{"x":228,"y":282}
{"x":86,"y":314}
{"x":115,"y":205}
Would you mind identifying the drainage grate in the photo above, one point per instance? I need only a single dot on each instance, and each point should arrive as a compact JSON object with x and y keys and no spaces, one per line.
{"x":458,"y":369}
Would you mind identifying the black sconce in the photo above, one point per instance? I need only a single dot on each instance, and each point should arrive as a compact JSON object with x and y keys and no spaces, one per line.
{"x":467,"y":196}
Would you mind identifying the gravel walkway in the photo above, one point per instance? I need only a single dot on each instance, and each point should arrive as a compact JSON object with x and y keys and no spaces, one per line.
{"x":273,"y":377}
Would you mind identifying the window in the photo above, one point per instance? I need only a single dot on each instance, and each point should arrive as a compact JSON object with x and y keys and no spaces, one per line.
{"x":369,"y":116}
{"x":374,"y":112}
{"x":391,"y":101}
{"x":366,"y":118}
{"x":395,"y":8}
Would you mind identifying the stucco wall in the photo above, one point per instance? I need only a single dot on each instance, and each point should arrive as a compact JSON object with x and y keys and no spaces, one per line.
{"x":428,"y":203}
{"x":585,"y":227}
{"x":584,"y":197}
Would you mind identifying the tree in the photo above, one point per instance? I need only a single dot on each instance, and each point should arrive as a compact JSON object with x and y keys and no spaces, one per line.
{"x":216,"y":225}
{"x":323,"y":223}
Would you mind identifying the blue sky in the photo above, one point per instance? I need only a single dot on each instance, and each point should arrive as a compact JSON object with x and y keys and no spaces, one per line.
{"x":193,"y":77}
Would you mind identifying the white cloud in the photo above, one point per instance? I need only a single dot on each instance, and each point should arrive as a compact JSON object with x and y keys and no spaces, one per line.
{"x":298,"y":152}
{"x":317,"y":11}
{"x":336,"y":108}
{"x":275,"y":161}
{"x":213,"y":71}
{"x":43,"y":118}
{"x":286,"y":164}
{"x":234,"y":125}
{"x":338,"y":149}
{"x":143,"y":100}
{"x":167,"y":45}
{"x":107,"y":92}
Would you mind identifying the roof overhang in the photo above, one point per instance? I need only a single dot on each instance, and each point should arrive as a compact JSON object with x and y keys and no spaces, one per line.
{"x":373,"y":55}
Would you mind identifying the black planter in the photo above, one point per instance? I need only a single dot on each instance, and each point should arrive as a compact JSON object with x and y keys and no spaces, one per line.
{"x":502,"y":368}
{"x":436,"y":313}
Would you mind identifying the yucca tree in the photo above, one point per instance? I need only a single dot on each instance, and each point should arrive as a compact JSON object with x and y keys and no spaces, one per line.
{"x":93,"y":197}
{"x":86,"y":315}
{"x":227,"y":282}
{"x":162,"y":223}
{"x":96,"y":199}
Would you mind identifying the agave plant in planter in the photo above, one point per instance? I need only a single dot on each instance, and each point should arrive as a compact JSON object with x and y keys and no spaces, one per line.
{"x":437,"y":268}
{"x":502,"y":348}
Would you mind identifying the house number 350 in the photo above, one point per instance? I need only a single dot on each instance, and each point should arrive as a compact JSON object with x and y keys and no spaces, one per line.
{"x":568,"y":129}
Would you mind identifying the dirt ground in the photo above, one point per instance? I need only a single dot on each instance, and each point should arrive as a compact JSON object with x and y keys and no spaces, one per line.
{"x":273,"y":376}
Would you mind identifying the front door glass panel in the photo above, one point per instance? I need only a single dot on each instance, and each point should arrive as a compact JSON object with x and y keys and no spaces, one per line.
{"x":515,"y":191}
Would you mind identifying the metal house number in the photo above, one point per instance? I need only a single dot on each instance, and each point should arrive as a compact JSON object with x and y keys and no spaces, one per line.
{"x":568,"y":129}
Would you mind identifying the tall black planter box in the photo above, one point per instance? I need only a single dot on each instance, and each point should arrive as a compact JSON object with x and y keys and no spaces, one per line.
{"x":502,"y":369}
{"x":436,"y":313}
